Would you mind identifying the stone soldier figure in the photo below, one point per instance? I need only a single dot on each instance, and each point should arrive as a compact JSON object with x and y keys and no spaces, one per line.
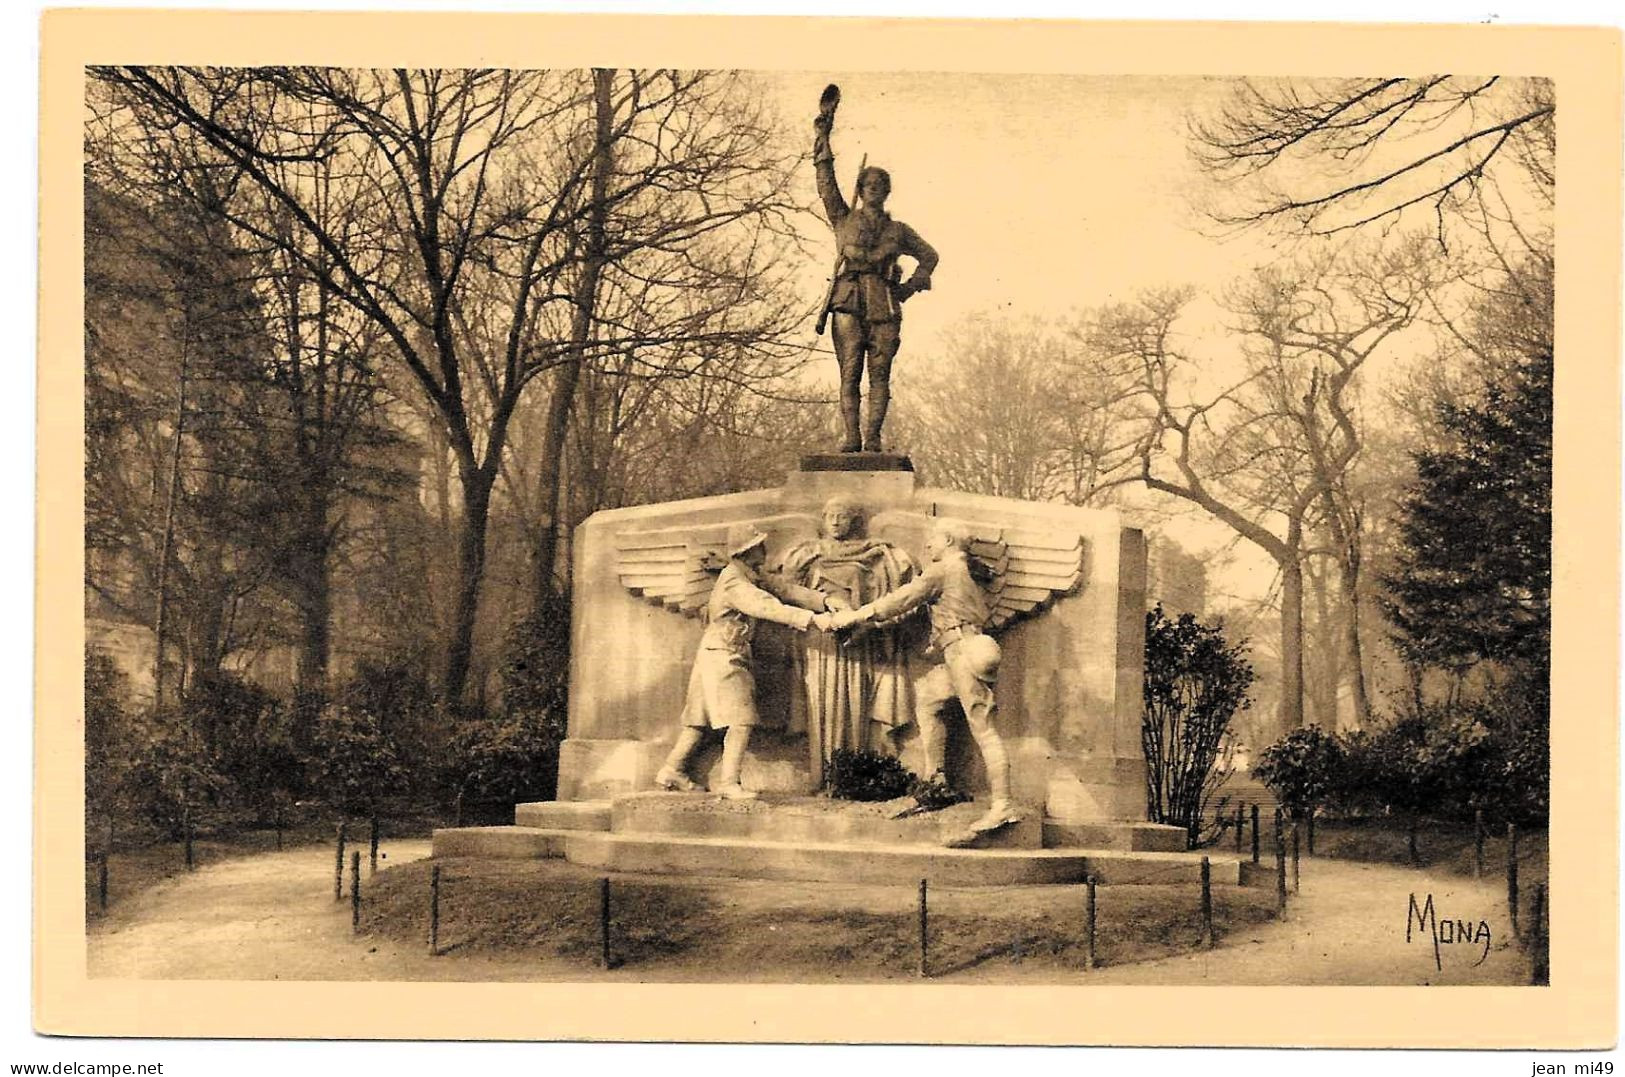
{"x":867,"y":293}
{"x":722,"y":688}
{"x":968,"y":663}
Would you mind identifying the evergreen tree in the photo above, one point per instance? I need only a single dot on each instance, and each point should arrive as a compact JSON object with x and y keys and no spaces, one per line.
{"x":1473,"y":579}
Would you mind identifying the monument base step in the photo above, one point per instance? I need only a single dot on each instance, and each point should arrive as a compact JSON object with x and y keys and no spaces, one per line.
{"x":817,"y":820}
{"x":563,"y":814}
{"x":658,"y":854}
{"x":1129,"y":837}
{"x":499,"y":842}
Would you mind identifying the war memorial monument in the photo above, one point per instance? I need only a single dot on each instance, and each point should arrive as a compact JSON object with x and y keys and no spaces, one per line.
{"x":725,"y":648}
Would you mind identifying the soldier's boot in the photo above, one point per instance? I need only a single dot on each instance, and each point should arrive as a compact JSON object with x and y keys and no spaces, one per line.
{"x":733,"y":757}
{"x":851,"y":442}
{"x":677,"y":781}
{"x":1001,"y":814}
{"x":671,"y":774}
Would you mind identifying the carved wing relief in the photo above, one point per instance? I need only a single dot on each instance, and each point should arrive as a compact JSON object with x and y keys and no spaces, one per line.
{"x":1030,"y":569}
{"x":676,"y":567}
{"x":672,"y":567}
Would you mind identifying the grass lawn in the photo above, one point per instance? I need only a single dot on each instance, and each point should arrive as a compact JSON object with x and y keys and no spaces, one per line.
{"x":550,"y":907}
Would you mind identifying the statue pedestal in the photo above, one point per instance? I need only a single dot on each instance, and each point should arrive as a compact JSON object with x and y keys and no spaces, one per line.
{"x":1069,"y":688}
{"x":856,"y":461}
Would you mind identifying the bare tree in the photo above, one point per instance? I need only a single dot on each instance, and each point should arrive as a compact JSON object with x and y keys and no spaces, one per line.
{"x":1010,"y":410}
{"x":681,"y":274}
{"x":179,"y":505}
{"x":1268,"y":451}
{"x":1323,"y":156}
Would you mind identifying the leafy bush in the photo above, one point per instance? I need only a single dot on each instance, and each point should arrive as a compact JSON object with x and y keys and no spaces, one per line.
{"x":536,"y":662}
{"x":1447,"y":760}
{"x":248,"y":733}
{"x":106,"y":761}
{"x":515,"y":756}
{"x":395,"y":702}
{"x":1195,"y":683}
{"x":860,"y":774}
{"x":356,"y":763}
{"x":505,"y":760}
{"x":1303,"y":769}
{"x":176,"y":778}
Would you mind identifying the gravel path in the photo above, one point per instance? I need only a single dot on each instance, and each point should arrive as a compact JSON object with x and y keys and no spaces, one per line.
{"x":272,"y":916}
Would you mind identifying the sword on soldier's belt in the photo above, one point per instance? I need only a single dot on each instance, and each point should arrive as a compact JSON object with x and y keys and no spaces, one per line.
{"x":840,"y":259}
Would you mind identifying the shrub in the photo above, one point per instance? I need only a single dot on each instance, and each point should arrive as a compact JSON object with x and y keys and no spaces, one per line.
{"x":1302,"y":769}
{"x":507,"y":760}
{"x":860,"y":774}
{"x":1195,"y":682}
{"x":356,"y":764}
{"x":105,"y":733}
{"x":1446,"y":759}
{"x":249,"y":735}
{"x":536,"y":662}
{"x":394,"y":700}
{"x":176,"y":777}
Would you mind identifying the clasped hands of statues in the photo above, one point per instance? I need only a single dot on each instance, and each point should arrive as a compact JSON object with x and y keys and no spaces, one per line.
{"x":840,"y":616}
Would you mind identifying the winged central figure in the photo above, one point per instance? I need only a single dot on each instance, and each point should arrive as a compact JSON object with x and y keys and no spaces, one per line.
{"x":858,"y":693}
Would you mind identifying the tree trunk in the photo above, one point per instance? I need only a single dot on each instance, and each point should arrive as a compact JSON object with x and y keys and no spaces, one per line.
{"x":477,"y":483}
{"x":1356,"y":652}
{"x":166,"y":542}
{"x":313,"y":580}
{"x":1327,"y":665}
{"x":584,"y":299}
{"x":1290,"y":713}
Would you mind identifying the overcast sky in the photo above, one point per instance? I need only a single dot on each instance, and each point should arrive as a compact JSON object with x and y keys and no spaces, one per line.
{"x":1042,"y":193}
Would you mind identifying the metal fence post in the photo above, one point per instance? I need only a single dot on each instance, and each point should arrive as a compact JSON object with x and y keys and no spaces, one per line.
{"x":1090,"y":960}
{"x":924,"y":936}
{"x":355,"y":890}
{"x":434,"y":910}
{"x":1209,"y":939}
{"x":1512,"y":877}
{"x":1540,"y":960}
{"x":1255,"y":833}
{"x":1295,"y":829}
{"x":603,"y":921}
{"x":1280,"y":864}
{"x":338,"y":865}
{"x":1478,"y":843}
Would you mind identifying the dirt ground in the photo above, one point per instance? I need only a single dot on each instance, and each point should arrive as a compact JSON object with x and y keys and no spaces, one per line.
{"x":272,"y":916}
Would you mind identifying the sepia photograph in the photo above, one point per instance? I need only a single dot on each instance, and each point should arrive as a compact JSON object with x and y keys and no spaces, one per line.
{"x":823,"y":523}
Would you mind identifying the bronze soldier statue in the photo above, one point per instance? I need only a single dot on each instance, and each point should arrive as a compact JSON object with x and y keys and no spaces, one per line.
{"x":866,"y":295}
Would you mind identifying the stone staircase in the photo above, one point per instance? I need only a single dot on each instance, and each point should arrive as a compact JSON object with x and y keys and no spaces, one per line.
{"x":811,"y":838}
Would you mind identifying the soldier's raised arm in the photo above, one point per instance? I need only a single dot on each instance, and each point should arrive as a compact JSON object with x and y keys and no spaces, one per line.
{"x":829,"y":190}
